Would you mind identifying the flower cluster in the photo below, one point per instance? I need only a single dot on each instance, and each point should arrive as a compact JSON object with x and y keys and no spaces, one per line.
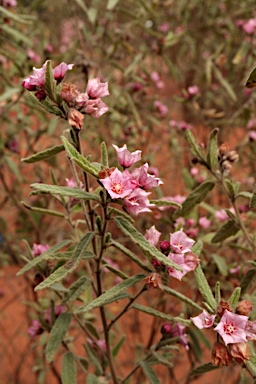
{"x":178,"y":249}
{"x":235,"y":330}
{"x":88,"y":102}
{"x":131,"y":186}
{"x":178,"y":330}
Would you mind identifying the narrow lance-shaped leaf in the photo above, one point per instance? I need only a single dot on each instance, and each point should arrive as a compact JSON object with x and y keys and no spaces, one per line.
{"x":252,"y":203}
{"x":212,"y":150}
{"x":43,"y":211}
{"x":111,"y":293}
{"x":221,"y":264}
{"x":50,"y":82}
{"x":203,"y":369}
{"x":217,"y":293}
{"x":149,"y":373}
{"x":129,"y":230}
{"x":68,"y":372}
{"x":70,"y":265}
{"x":49,"y":152}
{"x":196,"y":149}
{"x":165,"y":203}
{"x":43,"y":256}
{"x":204,"y":287}
{"x":79,"y":159}
{"x":161,"y":359}
{"x":77,"y":288}
{"x":251,"y":81}
{"x":65,"y":191}
{"x":57,"y":334}
{"x":153,"y":312}
{"x":230,"y":228}
{"x":234,"y":298}
{"x":248,"y":280}
{"x":181,"y":297}
{"x":104,"y":154}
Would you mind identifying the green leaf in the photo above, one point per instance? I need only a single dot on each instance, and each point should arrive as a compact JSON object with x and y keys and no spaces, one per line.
{"x":23,"y":19}
{"x":112,"y":293}
{"x":149,"y":372}
{"x":94,"y":359}
{"x":57,"y":334}
{"x":231,"y":188}
{"x":65,"y":191}
{"x":203,"y":369}
{"x":91,"y":378}
{"x":161,"y":359}
{"x":195,"y":147}
{"x":212,"y":150}
{"x":129,"y":230}
{"x":165,"y":203}
{"x":9,"y":93}
{"x":104,"y":154}
{"x":50,"y":82}
{"x":251,"y":81}
{"x":153,"y":312}
{"x":230,"y":228}
{"x":79,"y":159}
{"x":111,"y":4}
{"x":252,"y":203}
{"x":217,"y":293}
{"x":68,"y":372}
{"x":248,"y":280}
{"x":70,"y":265}
{"x":117,"y":347}
{"x":197,"y":248}
{"x":194,"y":198}
{"x":247,"y":195}
{"x":43,"y":211}
{"x":181,"y":297}
{"x":120,"y":213}
{"x":225,"y":84}
{"x":204,"y":287}
{"x":234,"y":298}
{"x":13,"y":167}
{"x":36,"y":260}
{"x":15,"y":34}
{"x":130,"y":254}
{"x":76,"y":289}
{"x":221,"y":264}
{"x":44,"y":154}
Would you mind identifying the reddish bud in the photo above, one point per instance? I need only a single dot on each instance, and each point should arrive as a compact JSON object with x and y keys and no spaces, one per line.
{"x":223,"y":305}
{"x":244,"y":307}
{"x":165,"y":246}
{"x":41,"y":95}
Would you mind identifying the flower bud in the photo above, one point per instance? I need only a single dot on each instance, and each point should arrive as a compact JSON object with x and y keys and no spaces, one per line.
{"x":220,"y":355}
{"x":165,"y":246}
{"x":232,"y":156}
{"x":240,"y":352}
{"x":75,"y":118}
{"x":166,"y":329}
{"x":41,"y":94}
{"x":223,"y":305}
{"x":244,"y":307}
{"x":223,"y":149}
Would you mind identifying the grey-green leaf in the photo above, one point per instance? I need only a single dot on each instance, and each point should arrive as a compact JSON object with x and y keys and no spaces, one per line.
{"x":247,"y":280}
{"x":65,"y":191}
{"x":77,"y":288}
{"x":112,"y":293}
{"x":221,"y":264}
{"x":196,"y":149}
{"x":181,"y":297}
{"x":212,"y":150}
{"x":70,"y":265}
{"x":204,"y":287}
{"x":104,"y":154}
{"x":153,"y":312}
{"x":203,"y":369}
{"x":252,"y":203}
{"x":165,"y":203}
{"x":131,"y":255}
{"x":234,"y":298}
{"x":149,"y":373}
{"x":129,"y":230}
{"x":194,"y":198}
{"x":57,"y":334}
{"x":68,"y":372}
{"x":230,"y":228}
{"x":44,"y":154}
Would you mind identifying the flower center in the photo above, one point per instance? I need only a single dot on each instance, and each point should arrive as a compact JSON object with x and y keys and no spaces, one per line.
{"x":178,"y":245}
{"x":207,"y":321}
{"x":117,"y":188}
{"x":229,"y":328}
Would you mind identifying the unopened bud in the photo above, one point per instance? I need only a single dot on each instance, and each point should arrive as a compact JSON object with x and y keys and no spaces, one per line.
{"x":226,"y":166}
{"x":240,"y":352}
{"x":244,"y":307}
{"x":75,"y":118}
{"x":223,"y":149}
{"x":166,"y":329}
{"x":232,"y":156}
{"x":165,"y":246}
{"x":220,"y":355}
{"x":41,"y":95}
{"x":223,"y":305}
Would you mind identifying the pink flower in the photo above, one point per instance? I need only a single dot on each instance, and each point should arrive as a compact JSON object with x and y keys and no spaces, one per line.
{"x":235,"y":270}
{"x":95,"y":89}
{"x":164,"y":27}
{"x":250,"y":124}
{"x":180,"y":242}
{"x":137,"y":202}
{"x":156,"y":79}
{"x":125,"y":157}
{"x":204,"y":320}
{"x":35,"y":328}
{"x":221,"y":215}
{"x":153,"y":235}
{"x":161,"y":108}
{"x":192,"y":232}
{"x":252,"y":135}
{"x":38,"y":249}
{"x":193,"y":90}
{"x":58,"y":310}
{"x":33,"y":55}
{"x":249,"y":26}
{"x":118,"y":184}
{"x":232,"y":328}
{"x":141,"y":178}
{"x":60,"y":71}
{"x":204,"y":222}
{"x":251,"y":330}
{"x":96,"y":108}
{"x":179,"y":331}
{"x":82,"y":100}
{"x":187,"y":262}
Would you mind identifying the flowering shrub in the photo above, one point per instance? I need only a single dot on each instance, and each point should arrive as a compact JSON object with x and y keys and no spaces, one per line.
{"x":109,"y":235}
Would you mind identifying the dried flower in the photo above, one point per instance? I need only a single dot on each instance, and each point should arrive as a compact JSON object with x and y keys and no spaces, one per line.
{"x":240,"y":352}
{"x":220,"y":355}
{"x":75,"y":118}
{"x":69,"y":93}
{"x":223,"y":305}
{"x":153,"y":281}
{"x":244,"y":307}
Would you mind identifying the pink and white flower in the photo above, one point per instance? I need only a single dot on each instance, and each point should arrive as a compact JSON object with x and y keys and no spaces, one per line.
{"x":180,"y":242}
{"x":137,"y":202}
{"x":204,"y":222}
{"x":38,"y":249}
{"x":141,"y":178}
{"x":95,"y":89}
{"x":60,"y":71}
{"x":125,"y":157}
{"x":153,"y":235}
{"x":118,"y":184}
{"x":96,"y":108}
{"x":204,"y":320}
{"x":232,"y":328}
